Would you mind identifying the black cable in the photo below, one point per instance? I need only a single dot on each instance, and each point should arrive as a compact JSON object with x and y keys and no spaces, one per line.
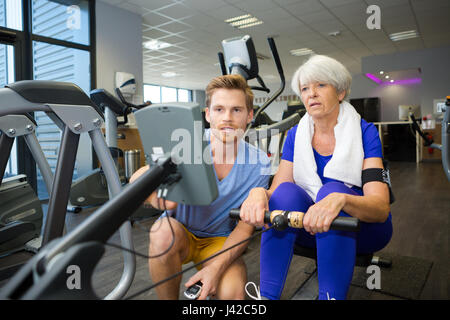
{"x":159,"y":254}
{"x":193,"y":266}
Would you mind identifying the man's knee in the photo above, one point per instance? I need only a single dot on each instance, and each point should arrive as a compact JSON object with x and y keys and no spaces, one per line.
{"x":164,"y":238}
{"x":233,"y":281}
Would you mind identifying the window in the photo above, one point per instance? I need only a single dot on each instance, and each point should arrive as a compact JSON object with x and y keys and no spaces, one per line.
{"x":60,"y":31}
{"x":184,"y":95}
{"x":152,"y":93}
{"x":168,"y":94}
{"x":11,"y":14}
{"x":158,"y":94}
{"x":47,"y":40}
{"x":7,"y":76}
{"x":60,"y":21}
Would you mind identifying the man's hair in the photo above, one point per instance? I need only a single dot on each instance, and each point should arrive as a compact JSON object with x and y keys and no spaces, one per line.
{"x":230,"y":81}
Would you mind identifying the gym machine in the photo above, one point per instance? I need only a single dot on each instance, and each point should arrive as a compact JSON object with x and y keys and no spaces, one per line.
{"x":91,"y":189}
{"x":74,"y":113}
{"x":239,"y":57}
{"x":445,"y":131}
{"x":191,"y":182}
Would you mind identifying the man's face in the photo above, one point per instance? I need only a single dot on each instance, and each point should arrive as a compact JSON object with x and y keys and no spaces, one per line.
{"x":228,"y":115}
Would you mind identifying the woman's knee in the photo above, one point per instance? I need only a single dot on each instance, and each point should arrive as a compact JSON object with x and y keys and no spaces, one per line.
{"x":289,"y":196}
{"x":332,"y":187}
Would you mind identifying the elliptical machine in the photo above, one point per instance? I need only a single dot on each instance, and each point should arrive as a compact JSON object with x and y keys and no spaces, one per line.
{"x":445,"y":131}
{"x":239,"y":57}
{"x":92,"y":189}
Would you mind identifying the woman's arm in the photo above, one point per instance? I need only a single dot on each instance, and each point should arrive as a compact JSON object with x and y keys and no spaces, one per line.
{"x":373,"y":206}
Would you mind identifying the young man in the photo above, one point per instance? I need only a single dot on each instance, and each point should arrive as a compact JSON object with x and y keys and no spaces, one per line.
{"x":201,"y":231}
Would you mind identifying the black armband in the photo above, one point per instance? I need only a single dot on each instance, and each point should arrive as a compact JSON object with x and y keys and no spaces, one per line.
{"x":378,"y":174}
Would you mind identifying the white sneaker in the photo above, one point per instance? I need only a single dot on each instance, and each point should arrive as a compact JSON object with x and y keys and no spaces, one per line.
{"x":258,"y":294}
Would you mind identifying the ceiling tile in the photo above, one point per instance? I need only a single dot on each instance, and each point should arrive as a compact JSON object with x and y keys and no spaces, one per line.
{"x":151,"y":4}
{"x":203,"y":5}
{"x":255,"y":6}
{"x":155,"y":34}
{"x":154,"y":19}
{"x":305,"y":7}
{"x":177,"y":11}
{"x":173,"y":39}
{"x":225,"y":12}
{"x":175,"y":27}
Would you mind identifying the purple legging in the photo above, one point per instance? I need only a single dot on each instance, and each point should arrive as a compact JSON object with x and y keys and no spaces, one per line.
{"x":336,"y":250}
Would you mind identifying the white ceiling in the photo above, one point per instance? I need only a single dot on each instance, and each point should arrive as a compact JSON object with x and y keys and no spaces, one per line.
{"x":195,"y":28}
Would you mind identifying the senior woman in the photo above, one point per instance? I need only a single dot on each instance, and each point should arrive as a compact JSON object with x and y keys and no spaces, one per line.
{"x":320,"y":173}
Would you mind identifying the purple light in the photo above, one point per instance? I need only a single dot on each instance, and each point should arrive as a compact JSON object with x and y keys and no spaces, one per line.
{"x":404,"y":81}
{"x":401,"y":82}
{"x":373,"y":78}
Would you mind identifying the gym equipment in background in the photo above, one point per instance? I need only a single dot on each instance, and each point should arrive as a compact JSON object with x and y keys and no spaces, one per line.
{"x":74,"y":113}
{"x":240,"y":57}
{"x":45,"y":276}
{"x":445,"y":137}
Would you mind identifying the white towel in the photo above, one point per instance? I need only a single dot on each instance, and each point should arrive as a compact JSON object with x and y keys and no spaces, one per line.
{"x":346,"y":163}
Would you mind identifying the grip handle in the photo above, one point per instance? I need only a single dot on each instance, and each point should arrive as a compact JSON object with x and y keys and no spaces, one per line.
{"x":340,"y":223}
{"x":235,"y":214}
{"x":345,"y":224}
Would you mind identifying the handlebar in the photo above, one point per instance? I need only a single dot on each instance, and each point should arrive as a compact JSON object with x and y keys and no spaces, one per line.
{"x":416,"y":128}
{"x":131,"y":105}
{"x":283,"y":219}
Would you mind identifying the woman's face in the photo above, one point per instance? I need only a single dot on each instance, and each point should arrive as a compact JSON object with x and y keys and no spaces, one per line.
{"x":321,"y":99}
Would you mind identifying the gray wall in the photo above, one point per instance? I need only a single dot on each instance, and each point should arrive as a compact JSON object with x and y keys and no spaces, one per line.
{"x":391,"y":96}
{"x":199,"y":97}
{"x":435,"y":73}
{"x":119,"y":46}
{"x":435,"y":66}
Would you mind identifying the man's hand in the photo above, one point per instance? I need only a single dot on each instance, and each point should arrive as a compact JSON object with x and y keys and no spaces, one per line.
{"x":153,"y":199}
{"x":209,"y":275}
{"x":254,"y":207}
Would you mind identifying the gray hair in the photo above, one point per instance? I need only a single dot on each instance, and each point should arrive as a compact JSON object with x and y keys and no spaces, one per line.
{"x":320,"y":68}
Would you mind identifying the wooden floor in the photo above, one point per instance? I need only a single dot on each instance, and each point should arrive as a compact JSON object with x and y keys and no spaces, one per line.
{"x":420,"y":219}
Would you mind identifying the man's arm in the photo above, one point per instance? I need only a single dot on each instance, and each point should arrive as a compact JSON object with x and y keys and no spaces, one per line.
{"x":223,"y":261}
{"x":153,"y":200}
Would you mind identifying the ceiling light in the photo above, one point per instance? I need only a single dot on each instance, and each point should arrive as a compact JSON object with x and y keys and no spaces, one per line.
{"x":301,"y":52}
{"x":244,"y":21}
{"x":334,"y":33}
{"x":392,"y":80}
{"x":168,"y":74}
{"x":261,"y":56}
{"x":387,"y":77}
{"x":156,"y":45}
{"x":238,"y":18}
{"x":381,"y":72}
{"x":403,"y":35}
{"x":251,"y":24}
